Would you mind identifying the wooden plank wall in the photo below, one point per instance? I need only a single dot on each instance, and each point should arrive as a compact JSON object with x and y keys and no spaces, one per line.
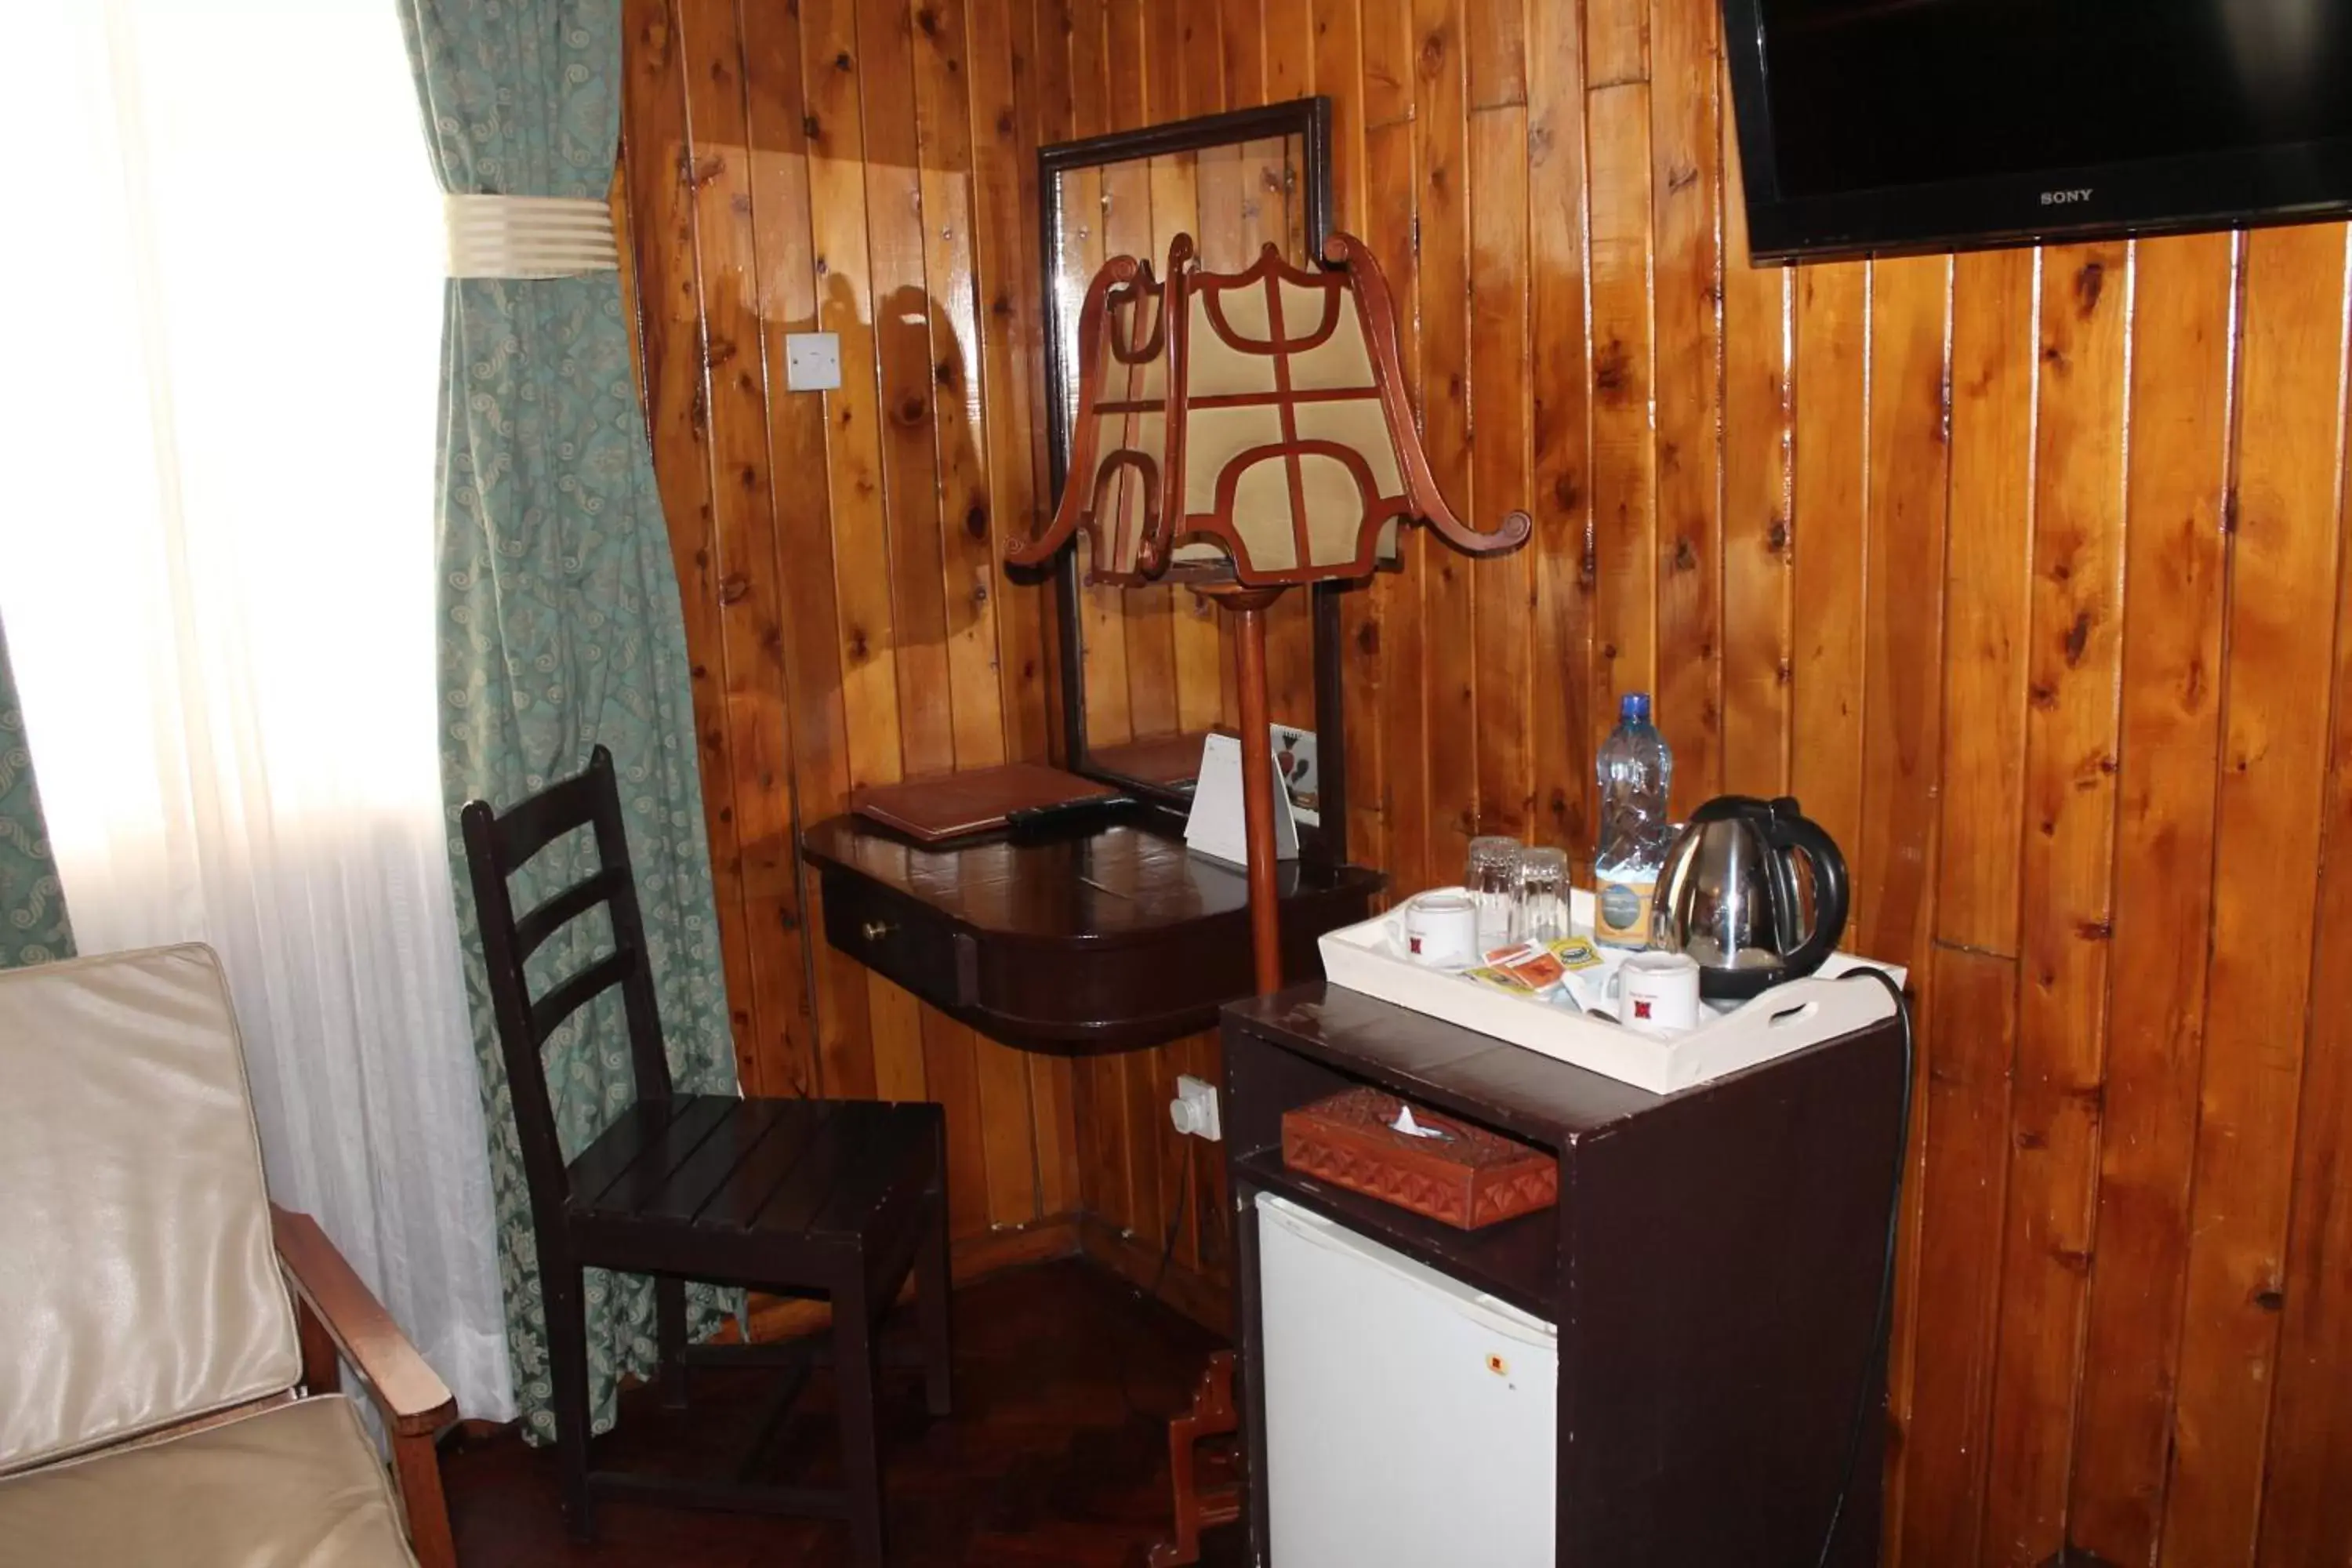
{"x":2024,"y":570}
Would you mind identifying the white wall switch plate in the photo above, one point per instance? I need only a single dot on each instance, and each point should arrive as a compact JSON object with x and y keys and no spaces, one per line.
{"x":1194,"y":1109}
{"x":812,"y":362}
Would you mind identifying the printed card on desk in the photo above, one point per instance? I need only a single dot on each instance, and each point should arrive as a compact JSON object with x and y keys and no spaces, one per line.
{"x":1216,"y":829}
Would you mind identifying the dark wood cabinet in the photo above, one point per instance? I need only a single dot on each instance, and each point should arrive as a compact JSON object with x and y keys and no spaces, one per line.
{"x":1714,"y":1269}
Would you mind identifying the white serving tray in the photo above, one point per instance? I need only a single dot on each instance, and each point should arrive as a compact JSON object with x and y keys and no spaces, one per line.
{"x":1730,"y":1037}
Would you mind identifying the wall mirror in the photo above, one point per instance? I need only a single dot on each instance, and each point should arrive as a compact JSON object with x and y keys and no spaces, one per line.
{"x":1148,"y":672}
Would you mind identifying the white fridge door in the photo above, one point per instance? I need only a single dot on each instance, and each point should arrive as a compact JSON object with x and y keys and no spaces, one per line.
{"x":1409,"y":1418}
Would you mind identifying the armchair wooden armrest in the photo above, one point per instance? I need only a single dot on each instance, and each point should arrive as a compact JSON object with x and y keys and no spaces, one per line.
{"x":341,"y":1320}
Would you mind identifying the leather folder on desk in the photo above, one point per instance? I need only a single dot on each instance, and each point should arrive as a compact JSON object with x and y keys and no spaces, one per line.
{"x":955,"y":805}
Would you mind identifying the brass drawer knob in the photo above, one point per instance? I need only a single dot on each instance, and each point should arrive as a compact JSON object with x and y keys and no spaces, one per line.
{"x":874,"y":930}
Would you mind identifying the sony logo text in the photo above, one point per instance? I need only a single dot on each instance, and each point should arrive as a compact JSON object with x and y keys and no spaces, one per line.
{"x":2063,"y":198}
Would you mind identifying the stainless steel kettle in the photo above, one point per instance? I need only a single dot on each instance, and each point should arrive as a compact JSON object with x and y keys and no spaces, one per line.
{"x":1730,"y":896}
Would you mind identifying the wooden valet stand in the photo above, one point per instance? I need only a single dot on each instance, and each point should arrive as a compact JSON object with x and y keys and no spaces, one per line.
{"x":1244,"y":434}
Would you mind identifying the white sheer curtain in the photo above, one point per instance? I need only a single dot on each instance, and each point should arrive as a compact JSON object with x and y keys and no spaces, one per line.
{"x":215,"y":570}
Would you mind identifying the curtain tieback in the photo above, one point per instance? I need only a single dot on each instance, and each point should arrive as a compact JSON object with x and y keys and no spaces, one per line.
{"x":529,"y":237}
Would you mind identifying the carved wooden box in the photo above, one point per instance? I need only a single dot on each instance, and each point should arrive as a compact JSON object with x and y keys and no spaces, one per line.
{"x":1464,"y":1175}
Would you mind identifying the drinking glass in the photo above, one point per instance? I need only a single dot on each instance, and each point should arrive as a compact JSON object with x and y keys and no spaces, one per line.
{"x":1543,"y":895}
{"x":1493,"y":880}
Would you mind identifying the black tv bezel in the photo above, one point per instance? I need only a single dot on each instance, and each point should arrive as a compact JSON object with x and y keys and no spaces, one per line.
{"x":2289,"y":183}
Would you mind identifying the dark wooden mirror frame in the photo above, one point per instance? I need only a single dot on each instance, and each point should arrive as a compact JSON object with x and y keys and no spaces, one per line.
{"x":1308,"y":119}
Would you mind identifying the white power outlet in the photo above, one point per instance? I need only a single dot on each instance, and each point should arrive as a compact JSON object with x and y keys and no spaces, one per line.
{"x":812,"y":362}
{"x":1194,"y":1109}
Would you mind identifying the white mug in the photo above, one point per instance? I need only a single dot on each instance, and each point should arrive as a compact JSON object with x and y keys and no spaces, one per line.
{"x":1656,"y":993}
{"x":1441,"y":929}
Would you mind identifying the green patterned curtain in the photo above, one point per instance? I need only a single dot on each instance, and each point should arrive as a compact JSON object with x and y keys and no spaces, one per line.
{"x":561,"y":626}
{"x":33,"y":927}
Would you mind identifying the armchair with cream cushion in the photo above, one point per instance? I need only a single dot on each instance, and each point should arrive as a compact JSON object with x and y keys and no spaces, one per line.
{"x":169,"y":1339}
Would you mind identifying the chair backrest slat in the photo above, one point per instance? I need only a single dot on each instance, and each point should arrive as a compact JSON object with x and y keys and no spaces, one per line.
{"x":568,"y":995}
{"x":560,"y":910}
{"x":498,"y":844}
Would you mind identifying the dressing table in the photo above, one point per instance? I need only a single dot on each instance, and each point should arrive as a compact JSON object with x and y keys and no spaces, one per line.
{"x":1104,"y":934}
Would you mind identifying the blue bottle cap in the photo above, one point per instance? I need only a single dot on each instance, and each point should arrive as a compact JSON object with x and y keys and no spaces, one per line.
{"x":1634,"y":707}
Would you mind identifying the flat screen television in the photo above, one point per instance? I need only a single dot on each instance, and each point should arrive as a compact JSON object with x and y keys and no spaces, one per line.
{"x":1892,"y":125}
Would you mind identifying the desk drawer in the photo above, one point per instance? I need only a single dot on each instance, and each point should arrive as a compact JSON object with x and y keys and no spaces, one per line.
{"x":901,"y":939}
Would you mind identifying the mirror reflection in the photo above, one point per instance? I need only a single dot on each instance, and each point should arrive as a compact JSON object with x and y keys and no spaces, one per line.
{"x":1154,"y":666}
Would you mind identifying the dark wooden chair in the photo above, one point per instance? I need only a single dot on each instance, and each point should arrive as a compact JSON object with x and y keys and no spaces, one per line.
{"x":798,"y":1197}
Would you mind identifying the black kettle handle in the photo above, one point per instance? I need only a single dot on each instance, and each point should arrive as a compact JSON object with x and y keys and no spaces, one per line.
{"x":1792,"y":830}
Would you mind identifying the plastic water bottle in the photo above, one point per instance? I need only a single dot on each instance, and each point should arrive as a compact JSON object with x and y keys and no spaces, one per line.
{"x":1637,"y":771}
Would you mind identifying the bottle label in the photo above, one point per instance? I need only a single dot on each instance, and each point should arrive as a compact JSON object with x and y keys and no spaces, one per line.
{"x":1621,"y":914}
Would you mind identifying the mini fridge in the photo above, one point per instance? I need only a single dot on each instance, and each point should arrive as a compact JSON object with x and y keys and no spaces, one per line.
{"x":1411,"y":1419}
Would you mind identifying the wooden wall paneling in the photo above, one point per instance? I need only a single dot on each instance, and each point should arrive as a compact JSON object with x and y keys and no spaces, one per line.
{"x":1052,"y":1079}
{"x":1944,"y":1356}
{"x":2072,"y":667}
{"x":2174,"y":573}
{"x":1495,"y":52}
{"x":1893,"y":863}
{"x":1624,"y":447}
{"x":786,"y":297}
{"x":952,"y":1078}
{"x":1563,"y":727}
{"x":1163,"y":61}
{"x":883,"y":70}
{"x":1988,"y":593}
{"x":1040,"y":90}
{"x":1003,"y":160}
{"x":1240,"y":28}
{"x":1903,"y":664}
{"x":863,"y":567}
{"x":772,"y":1011}
{"x":1956,"y":1288}
{"x":1616,"y":42}
{"x":853,"y":447}
{"x":1686,"y":198}
{"x":1826,"y":539}
{"x":1289,"y":28}
{"x":1758,"y":443}
{"x":951,"y":269}
{"x":984,"y":1085}
{"x":1337,"y":63}
{"x":661,"y":201}
{"x":1448,"y":633}
{"x":1500,"y":585}
{"x":2093,"y":1187}
{"x":900,"y":1053}
{"x":2284,"y":551}
{"x":1200,"y":36}
{"x":1392,"y":186}
{"x":2306,"y":1515}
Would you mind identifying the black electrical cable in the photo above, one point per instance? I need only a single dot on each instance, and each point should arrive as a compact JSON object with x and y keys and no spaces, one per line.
{"x":1873,"y":1352}
{"x":1174,"y":1228}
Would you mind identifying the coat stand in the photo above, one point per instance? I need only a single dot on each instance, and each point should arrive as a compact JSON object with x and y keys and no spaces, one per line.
{"x":1243,"y":434}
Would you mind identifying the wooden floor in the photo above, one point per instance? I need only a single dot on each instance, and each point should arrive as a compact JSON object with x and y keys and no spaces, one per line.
{"x":1057,"y":1453}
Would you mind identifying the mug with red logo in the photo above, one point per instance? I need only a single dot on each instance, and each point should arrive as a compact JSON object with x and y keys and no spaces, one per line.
{"x":1656,"y":993}
{"x":1441,"y":929}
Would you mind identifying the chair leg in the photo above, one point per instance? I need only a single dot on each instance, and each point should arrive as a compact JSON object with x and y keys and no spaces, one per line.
{"x":669,"y":1333}
{"x":855,"y":1373}
{"x":931,"y":1291}
{"x":563,"y":1292}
